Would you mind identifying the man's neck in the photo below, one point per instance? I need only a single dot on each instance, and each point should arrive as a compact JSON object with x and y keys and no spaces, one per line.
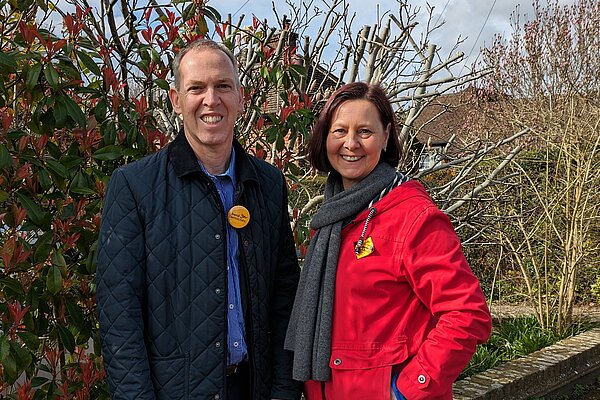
{"x":215,"y":162}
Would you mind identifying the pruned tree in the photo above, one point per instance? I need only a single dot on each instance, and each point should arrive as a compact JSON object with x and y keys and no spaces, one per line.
{"x":83,"y":90}
{"x":545,"y":77}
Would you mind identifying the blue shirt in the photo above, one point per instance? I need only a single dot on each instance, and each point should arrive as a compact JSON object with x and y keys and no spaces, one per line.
{"x":236,"y":343}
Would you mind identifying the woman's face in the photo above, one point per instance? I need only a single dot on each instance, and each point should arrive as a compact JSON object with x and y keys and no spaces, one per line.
{"x":355,"y":140}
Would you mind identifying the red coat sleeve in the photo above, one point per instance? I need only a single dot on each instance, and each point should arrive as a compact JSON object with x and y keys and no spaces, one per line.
{"x":442,"y":279}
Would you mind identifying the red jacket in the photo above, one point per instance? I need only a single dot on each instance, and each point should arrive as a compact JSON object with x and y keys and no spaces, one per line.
{"x":413,"y":304}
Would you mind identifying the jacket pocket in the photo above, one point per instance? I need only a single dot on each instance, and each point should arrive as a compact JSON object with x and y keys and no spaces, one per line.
{"x":363,"y":370}
{"x":170,"y":377}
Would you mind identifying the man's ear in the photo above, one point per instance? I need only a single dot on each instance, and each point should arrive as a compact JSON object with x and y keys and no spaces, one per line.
{"x":241,"y":101}
{"x":174,"y":96}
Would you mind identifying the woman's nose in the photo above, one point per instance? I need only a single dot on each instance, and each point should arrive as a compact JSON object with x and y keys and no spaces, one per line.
{"x":351,"y":141}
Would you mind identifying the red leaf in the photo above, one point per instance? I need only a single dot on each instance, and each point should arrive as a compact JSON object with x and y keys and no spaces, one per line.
{"x":28,"y":32}
{"x":16,"y":312}
{"x":69,"y":23}
{"x":147,"y":15}
{"x":19,"y":214}
{"x":7,"y":118}
{"x":147,"y":34}
{"x":23,"y":172}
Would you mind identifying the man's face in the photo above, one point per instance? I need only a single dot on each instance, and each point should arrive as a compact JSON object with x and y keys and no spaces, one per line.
{"x":208,"y":99}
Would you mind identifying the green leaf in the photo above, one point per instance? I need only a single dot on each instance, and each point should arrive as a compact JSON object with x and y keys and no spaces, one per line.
{"x":4,"y":348}
{"x":100,"y":111}
{"x":9,"y":60}
{"x":44,"y":179}
{"x":81,"y":184}
{"x":75,"y":112}
{"x":5,"y":158}
{"x":108,"y":153}
{"x":109,"y":132}
{"x":89,"y":62}
{"x":58,"y":259}
{"x":3,"y":196}
{"x":31,"y":340}
{"x":38,"y":381}
{"x":51,"y":75}
{"x":42,"y":4}
{"x":76,"y":314}
{"x":59,"y":111}
{"x":56,"y":167}
{"x":212,"y":13}
{"x":10,"y":368}
{"x":22,"y":356}
{"x":54,"y":280}
{"x":71,"y":162}
{"x":161,"y":83}
{"x":189,"y":12}
{"x":11,"y":286}
{"x":66,"y":338}
{"x":35,"y":214}
{"x":43,"y":247}
{"x":33,"y":76}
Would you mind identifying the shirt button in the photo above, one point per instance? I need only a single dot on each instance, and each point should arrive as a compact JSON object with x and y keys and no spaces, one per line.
{"x":216,"y":397}
{"x":231,"y":306}
{"x":217,"y":236}
{"x":235,"y":344}
{"x":218,"y":291}
{"x":421,"y":379}
{"x":218,"y":345}
{"x":337,"y":361}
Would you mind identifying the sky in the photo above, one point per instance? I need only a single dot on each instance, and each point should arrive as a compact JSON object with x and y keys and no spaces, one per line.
{"x":475,"y":21}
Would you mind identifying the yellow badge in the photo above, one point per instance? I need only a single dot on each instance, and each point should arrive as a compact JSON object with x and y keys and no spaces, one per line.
{"x":238,"y":216}
{"x":366,"y":249}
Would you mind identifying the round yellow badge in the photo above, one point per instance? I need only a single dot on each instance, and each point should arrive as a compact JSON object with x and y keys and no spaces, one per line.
{"x":238,"y":216}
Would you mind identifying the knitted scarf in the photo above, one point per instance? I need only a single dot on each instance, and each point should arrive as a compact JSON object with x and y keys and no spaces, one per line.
{"x":309,"y":331}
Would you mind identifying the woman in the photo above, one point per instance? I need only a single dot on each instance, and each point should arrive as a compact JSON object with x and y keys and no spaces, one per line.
{"x":387,"y":305}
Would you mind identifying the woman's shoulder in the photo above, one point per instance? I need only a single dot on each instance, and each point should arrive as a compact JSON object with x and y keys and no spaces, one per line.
{"x":410,"y":195}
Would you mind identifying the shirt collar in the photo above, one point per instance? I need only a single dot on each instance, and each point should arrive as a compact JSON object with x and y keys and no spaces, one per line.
{"x":230,"y":172}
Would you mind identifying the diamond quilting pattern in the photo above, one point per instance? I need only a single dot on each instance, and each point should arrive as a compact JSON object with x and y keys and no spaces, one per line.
{"x":159,"y":267}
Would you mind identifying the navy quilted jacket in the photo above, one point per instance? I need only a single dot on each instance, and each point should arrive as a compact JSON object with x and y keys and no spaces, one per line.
{"x":162,"y":277}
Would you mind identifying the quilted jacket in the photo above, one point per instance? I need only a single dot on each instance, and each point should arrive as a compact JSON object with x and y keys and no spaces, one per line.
{"x":162,"y":274}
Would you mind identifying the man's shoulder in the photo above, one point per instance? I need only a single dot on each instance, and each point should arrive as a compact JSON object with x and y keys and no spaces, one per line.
{"x":145,"y":163}
{"x":264,"y":167}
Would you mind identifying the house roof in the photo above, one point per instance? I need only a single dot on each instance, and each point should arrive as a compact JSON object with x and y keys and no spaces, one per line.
{"x":446,"y":115}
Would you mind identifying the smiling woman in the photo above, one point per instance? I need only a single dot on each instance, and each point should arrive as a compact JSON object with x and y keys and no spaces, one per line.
{"x":356,"y":140}
{"x":387,"y":305}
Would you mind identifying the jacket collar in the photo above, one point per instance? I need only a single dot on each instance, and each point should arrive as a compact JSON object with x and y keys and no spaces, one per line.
{"x":184,"y":160}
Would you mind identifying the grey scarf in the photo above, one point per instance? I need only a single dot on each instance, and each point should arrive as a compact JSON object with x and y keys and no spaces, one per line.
{"x":309,"y":331}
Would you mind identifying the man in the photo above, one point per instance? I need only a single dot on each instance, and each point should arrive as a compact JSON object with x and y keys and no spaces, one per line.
{"x":196,"y":265}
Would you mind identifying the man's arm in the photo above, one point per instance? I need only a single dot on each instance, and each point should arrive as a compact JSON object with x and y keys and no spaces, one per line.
{"x":287,"y":274}
{"x":120,"y":291}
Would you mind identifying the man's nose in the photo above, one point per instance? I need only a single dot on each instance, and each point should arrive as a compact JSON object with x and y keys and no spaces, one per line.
{"x":211,"y":97}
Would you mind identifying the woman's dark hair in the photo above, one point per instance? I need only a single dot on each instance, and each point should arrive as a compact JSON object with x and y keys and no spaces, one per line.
{"x":317,"y":147}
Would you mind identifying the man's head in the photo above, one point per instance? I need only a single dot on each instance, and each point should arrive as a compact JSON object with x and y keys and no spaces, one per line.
{"x":202,"y":44}
{"x":208,"y":96}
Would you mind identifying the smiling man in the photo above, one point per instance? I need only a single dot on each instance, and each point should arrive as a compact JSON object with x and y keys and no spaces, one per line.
{"x":196,"y":266}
